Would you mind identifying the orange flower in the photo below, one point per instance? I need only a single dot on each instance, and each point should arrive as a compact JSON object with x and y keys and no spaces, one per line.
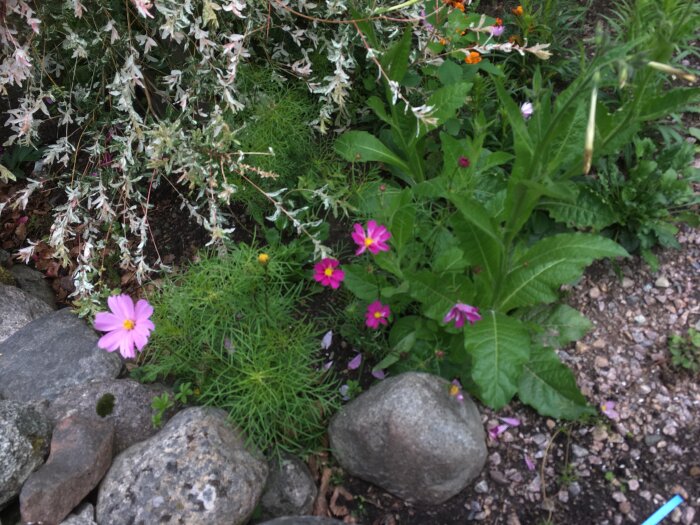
{"x":443,"y":42}
{"x":499,"y":22}
{"x":518,"y":11}
{"x":472,"y":58}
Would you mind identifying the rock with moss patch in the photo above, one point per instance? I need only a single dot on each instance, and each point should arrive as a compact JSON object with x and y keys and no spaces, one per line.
{"x":124,"y":402}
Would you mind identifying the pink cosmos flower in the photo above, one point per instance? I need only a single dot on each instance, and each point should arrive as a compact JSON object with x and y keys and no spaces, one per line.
{"x":327,"y":273}
{"x":461,"y":312}
{"x":497,"y":30}
{"x":608,"y":408}
{"x":127,"y":327}
{"x":377,"y":314}
{"x":374,"y":240}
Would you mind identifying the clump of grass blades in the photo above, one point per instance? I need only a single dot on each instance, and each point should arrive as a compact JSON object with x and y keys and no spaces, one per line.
{"x":229,"y":327}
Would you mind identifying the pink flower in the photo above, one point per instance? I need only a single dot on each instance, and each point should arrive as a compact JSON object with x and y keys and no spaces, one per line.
{"x":377,"y":314}
{"x":461,"y":312}
{"x":127,"y":326}
{"x":374,"y":240}
{"x":608,"y":408}
{"x":497,"y":30}
{"x":456,"y":390}
{"x":526,"y":110}
{"x":463,"y":162}
{"x":327,"y":273}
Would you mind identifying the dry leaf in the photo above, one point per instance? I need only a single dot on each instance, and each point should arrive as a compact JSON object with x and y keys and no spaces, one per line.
{"x":320,"y":505}
{"x":339,"y":510}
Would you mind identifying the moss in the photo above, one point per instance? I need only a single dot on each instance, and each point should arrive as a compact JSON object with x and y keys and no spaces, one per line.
{"x":105,"y":405}
{"x":6,"y":277}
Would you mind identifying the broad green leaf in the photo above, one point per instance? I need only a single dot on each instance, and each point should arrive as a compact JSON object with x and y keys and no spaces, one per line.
{"x":480,"y":251}
{"x":447,"y":100}
{"x":672,"y":101}
{"x":379,"y":109}
{"x":557,"y":325}
{"x":402,"y":221}
{"x":474,"y":213}
{"x":547,"y":385}
{"x":449,"y":73}
{"x":387,"y":261}
{"x":523,"y":141}
{"x":450,"y":260}
{"x":362,"y":284}
{"x":589,"y":210}
{"x":361,"y":146}
{"x":439,"y":293}
{"x":491,"y":160}
{"x":395,"y":59}
{"x":499,"y":346}
{"x":538,"y":273}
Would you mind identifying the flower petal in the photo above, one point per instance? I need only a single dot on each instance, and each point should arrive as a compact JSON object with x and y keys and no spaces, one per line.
{"x":111,"y":340}
{"x":107,"y":321}
{"x":355,"y":362}
{"x":143,"y":310}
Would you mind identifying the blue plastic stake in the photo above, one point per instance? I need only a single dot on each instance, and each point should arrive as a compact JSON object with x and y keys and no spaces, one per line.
{"x":664,"y":511}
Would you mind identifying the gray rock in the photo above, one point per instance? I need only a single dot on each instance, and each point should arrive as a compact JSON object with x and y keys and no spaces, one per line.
{"x":50,"y":354}
{"x":302,"y":520}
{"x":410,"y":437}
{"x":81,"y":452}
{"x":83,"y":515}
{"x":4,"y":256}
{"x":662,"y":282}
{"x":196,"y":470}
{"x":131,"y":411}
{"x":18,"y":308}
{"x":24,"y":443}
{"x":290,"y":489}
{"x":33,"y":282}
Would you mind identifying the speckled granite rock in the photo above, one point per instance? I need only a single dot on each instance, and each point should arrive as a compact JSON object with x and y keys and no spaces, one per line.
{"x":196,"y":470}
{"x":290,"y":489}
{"x":131,"y":410}
{"x":33,"y":282}
{"x":24,"y":443}
{"x":50,"y":354}
{"x":83,"y":515}
{"x":81,"y":452}
{"x":18,"y":308}
{"x":410,"y":437}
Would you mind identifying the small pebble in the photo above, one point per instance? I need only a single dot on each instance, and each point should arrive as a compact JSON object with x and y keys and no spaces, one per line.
{"x":689,"y":516}
{"x":482,"y":487}
{"x":627,"y":282}
{"x":662,"y":282}
{"x":625,"y":507}
{"x":594,"y":292}
{"x":640,"y":319}
{"x":633,"y":484}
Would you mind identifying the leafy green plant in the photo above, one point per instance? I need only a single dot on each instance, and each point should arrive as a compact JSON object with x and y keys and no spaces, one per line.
{"x":160,"y":405}
{"x":229,"y":325}
{"x":12,"y":159}
{"x":685,"y":351}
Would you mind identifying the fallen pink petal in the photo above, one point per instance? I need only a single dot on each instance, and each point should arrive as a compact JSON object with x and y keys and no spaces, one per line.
{"x":510,"y":421}
{"x":529,"y":463}
{"x":355,"y":362}
{"x":378,"y":374}
{"x":327,"y":340}
{"x":496,"y":431}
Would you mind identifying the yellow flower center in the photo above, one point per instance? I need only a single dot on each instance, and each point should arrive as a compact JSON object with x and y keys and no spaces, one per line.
{"x":368,"y":241}
{"x":378,"y":315}
{"x":128,"y":324}
{"x":454,"y":390}
{"x":328,"y":272}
